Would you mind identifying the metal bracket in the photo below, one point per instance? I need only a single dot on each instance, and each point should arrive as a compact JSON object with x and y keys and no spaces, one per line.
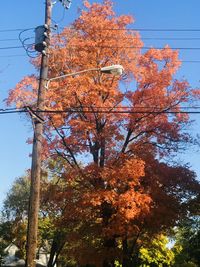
{"x":34,"y":115}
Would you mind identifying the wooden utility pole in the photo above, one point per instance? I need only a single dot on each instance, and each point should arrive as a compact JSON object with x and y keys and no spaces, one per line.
{"x":34,"y":201}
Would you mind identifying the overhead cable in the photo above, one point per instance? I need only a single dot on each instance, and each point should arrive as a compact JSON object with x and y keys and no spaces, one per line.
{"x":153,"y":29}
{"x":120,"y":47}
{"x":15,"y":30}
{"x":133,"y":47}
{"x":122,"y":29}
{"x":6,"y":40}
{"x":11,"y":56}
{"x":91,"y":111}
{"x":10,"y":47}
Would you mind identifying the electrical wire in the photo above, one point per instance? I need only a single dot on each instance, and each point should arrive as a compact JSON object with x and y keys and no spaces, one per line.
{"x":108,"y":107}
{"x":14,"y":30}
{"x":134,"y":47}
{"x":111,"y":47}
{"x":152,"y":29}
{"x":97,"y":110}
{"x":21,"y":55}
{"x":122,"y":29}
{"x":118,"y":112}
{"x":61,"y":19}
{"x":10,"y":47}
{"x":28,"y":47}
{"x":6,"y":40}
{"x":12,"y":56}
{"x":142,"y":38}
{"x":11,"y":112}
{"x":8,"y":109}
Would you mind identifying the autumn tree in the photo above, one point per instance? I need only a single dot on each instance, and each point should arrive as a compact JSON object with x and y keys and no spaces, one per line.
{"x":112,"y":132}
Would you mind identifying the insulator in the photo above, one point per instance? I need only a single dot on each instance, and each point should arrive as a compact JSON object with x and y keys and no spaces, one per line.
{"x":44,"y":44}
{"x":44,"y":52}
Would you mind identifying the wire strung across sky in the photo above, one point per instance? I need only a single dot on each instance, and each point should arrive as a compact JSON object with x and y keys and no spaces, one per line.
{"x":107,"y":110}
{"x":20,"y":30}
{"x":120,"y":29}
{"x":120,"y":47}
{"x":15,"y":30}
{"x":10,"y":47}
{"x":24,"y":55}
{"x":143,"y":38}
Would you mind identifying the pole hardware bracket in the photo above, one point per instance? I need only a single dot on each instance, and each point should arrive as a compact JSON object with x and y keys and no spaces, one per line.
{"x":34,"y":115}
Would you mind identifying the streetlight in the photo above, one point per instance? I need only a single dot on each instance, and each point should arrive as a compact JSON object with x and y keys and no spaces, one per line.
{"x":113,"y":69}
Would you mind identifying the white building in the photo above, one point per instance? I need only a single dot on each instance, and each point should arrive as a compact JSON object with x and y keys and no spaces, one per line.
{"x":11,"y":260}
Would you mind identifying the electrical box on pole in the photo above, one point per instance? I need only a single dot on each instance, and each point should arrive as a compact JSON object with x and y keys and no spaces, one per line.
{"x":40,"y":38}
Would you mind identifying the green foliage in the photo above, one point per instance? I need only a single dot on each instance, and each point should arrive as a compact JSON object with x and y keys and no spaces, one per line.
{"x":188,"y":237}
{"x":156,"y":253}
{"x":3,"y":245}
{"x":16,"y":202}
{"x":46,"y":228}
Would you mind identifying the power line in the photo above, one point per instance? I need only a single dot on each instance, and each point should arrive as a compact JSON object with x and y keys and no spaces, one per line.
{"x":152,"y":29}
{"x":120,"y":47}
{"x":106,"y":107}
{"x":142,"y":38}
{"x":170,"y":38}
{"x":21,"y":55}
{"x":10,"y":47}
{"x":137,"y":29}
{"x":95,"y":110}
{"x":148,"y":29}
{"x":135,"y":47}
{"x":8,"y":109}
{"x":118,"y":112}
{"x":11,"y":112}
{"x":122,"y":29}
{"x":5,"y":56}
{"x":15,"y":30}
{"x":190,"y":61}
{"x":158,"y":38}
{"x":11,"y":39}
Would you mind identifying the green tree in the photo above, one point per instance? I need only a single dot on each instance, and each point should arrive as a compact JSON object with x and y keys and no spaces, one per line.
{"x":156,"y":253}
{"x":13,"y":227}
{"x":188,"y":238}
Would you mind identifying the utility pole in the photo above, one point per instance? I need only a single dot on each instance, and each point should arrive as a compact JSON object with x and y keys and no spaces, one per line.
{"x":34,"y":202}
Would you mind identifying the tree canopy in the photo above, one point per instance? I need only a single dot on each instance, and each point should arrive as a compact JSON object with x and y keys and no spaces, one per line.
{"x":113,"y":134}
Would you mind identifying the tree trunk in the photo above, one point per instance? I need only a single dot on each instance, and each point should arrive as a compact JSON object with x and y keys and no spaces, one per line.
{"x":126,"y":260}
{"x":107,"y":263}
{"x":53,"y":251}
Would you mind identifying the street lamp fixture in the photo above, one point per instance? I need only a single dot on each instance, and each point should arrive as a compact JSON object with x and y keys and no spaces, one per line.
{"x":113,"y":69}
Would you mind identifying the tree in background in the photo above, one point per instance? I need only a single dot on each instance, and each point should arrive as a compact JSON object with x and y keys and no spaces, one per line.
{"x":14,"y":214}
{"x":156,"y":253}
{"x":13,"y":225}
{"x":188,"y":238}
{"x":114,"y":134}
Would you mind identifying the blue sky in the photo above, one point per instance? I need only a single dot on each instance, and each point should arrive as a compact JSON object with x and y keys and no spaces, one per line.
{"x":14,"y":63}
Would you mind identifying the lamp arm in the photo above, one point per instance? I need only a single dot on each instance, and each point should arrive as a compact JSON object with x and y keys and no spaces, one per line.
{"x":70,"y":74}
